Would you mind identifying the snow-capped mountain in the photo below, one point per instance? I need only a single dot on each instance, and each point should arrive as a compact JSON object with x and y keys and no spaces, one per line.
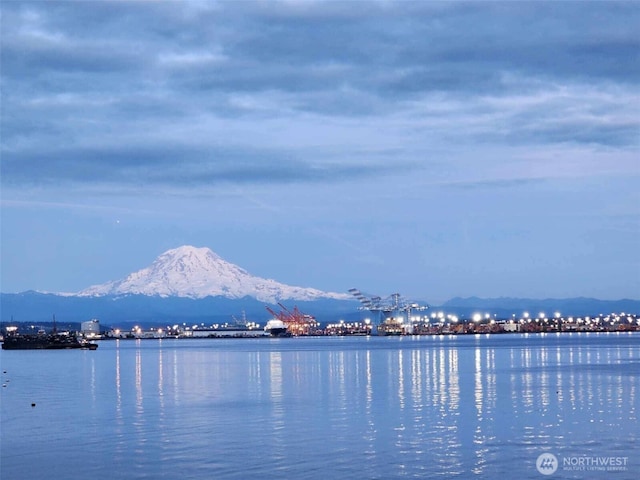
{"x":197,"y":273}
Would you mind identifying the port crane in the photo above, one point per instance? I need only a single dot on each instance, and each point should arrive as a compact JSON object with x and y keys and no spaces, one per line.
{"x":297,"y":323}
{"x":392,"y":309}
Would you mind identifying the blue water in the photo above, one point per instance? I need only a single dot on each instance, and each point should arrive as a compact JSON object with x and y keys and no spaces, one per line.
{"x":312,"y":408}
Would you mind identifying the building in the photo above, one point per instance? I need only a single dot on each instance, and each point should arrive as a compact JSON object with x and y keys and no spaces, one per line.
{"x":90,"y":329}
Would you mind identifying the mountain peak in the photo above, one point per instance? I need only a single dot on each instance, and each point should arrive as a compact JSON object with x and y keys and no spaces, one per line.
{"x":188,"y":259}
{"x":191,"y":251}
{"x":194,"y":272}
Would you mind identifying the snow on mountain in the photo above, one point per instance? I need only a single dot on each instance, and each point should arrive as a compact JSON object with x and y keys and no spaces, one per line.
{"x":197,"y":273}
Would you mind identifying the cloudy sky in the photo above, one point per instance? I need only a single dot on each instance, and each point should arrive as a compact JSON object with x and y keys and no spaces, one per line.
{"x":432,"y":149}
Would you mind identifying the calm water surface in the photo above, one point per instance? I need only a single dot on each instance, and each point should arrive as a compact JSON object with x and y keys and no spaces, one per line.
{"x":360,"y":407}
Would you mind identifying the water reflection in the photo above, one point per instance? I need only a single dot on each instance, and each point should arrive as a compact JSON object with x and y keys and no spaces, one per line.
{"x":118,"y":386}
{"x":277,"y":420}
{"x":139,"y":390}
{"x":430,"y":406}
{"x":160,"y":376}
{"x":400,"y":380}
{"x":275,"y":372}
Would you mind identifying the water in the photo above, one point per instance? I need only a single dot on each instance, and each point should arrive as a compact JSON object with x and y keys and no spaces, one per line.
{"x":307,"y":408}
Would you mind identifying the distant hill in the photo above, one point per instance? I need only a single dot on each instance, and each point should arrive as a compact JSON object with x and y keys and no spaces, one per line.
{"x":506,"y":306}
{"x":143,"y":309}
{"x":39,"y":307}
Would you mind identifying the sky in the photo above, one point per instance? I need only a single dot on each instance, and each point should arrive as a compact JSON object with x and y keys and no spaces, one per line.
{"x":434,"y":149}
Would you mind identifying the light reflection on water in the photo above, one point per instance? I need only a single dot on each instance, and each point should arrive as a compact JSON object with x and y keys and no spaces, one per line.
{"x":321,"y":407}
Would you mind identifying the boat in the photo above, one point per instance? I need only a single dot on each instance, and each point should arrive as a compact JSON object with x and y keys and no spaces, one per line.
{"x":43,"y":341}
{"x":276,"y":328}
{"x":296,"y":322}
{"x":240,"y":328}
{"x":226,"y":330}
{"x":391,"y":326}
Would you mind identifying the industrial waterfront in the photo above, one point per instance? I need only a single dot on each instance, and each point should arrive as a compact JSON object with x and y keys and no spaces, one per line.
{"x":437,"y":323}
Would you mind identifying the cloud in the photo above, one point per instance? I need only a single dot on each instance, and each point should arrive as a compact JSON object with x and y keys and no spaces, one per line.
{"x":198,"y":93}
{"x":179,"y":167}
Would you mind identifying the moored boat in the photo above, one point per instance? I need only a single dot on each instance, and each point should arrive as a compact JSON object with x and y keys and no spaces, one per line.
{"x":276,"y":328}
{"x":391,"y":326}
{"x":52,"y":341}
